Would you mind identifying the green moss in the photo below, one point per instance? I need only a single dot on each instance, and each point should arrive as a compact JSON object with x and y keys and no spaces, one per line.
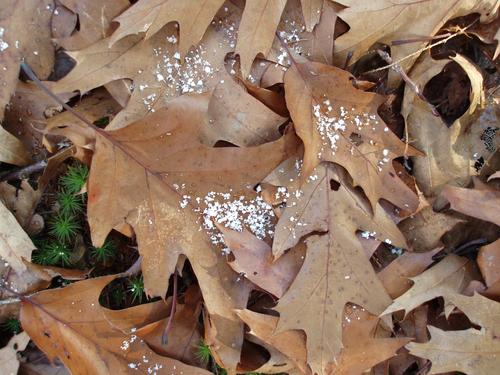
{"x":69,"y":203}
{"x":136,"y":288}
{"x":64,"y":227}
{"x":74,"y":179}
{"x":12,"y":325}
{"x":105,"y":252}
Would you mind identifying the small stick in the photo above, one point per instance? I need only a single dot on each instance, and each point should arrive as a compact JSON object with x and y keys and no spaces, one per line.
{"x":168,"y":327}
{"x":24,"y":172}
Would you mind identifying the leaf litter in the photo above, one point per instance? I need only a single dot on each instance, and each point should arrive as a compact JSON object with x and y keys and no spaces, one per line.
{"x":269,"y":195}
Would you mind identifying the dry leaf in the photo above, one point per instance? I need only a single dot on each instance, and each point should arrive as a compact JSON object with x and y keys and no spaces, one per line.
{"x":449,"y":151}
{"x":9,"y":362}
{"x":386,"y":22}
{"x":12,"y":151}
{"x":254,"y":259}
{"x":339,"y":123}
{"x":488,"y":260}
{"x":483,"y":204}
{"x":362,"y":348}
{"x":70,"y":324}
{"x":396,"y":277}
{"x":290,"y":343}
{"x":445,"y":278}
{"x":94,"y":19}
{"x":164,"y":182}
{"x":21,"y":202}
{"x":24,"y":34}
{"x":469,"y":351}
{"x":424,"y":230}
{"x":15,"y":244}
{"x":336,"y":269}
{"x":184,"y":335}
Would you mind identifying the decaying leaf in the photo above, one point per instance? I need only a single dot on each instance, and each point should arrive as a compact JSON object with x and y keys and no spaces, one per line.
{"x":362,"y":348}
{"x":339,"y":123}
{"x":449,"y":151}
{"x":167,"y":185}
{"x":387,"y":22}
{"x":447,"y":277}
{"x":469,"y":351}
{"x":70,"y":324}
{"x":482,"y":203}
{"x":12,"y":151}
{"x":15,"y":244}
{"x":336,"y":269}
{"x":9,"y":363}
{"x":24,"y":34}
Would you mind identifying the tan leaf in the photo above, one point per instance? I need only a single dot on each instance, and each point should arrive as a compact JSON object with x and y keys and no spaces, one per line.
{"x":310,"y":209}
{"x":153,"y":65}
{"x":69,"y":324}
{"x":149,"y":16}
{"x":9,"y":362}
{"x":449,"y":150}
{"x":24,"y":34}
{"x":424,"y":230}
{"x":488,"y":261}
{"x":483,"y":204}
{"x":256,"y":33}
{"x":396,"y":276}
{"x":448,"y":276}
{"x":336,"y":269}
{"x":386,"y":21}
{"x":253,"y":258}
{"x":94,"y":18}
{"x":470,"y":351}
{"x":312,"y":12}
{"x":184,"y":335}
{"x":12,"y":151}
{"x":21,"y":202}
{"x":339,"y":123}
{"x":165,"y":183}
{"x":237,"y":117}
{"x":15,"y":244}
{"x":362,"y":348}
{"x":291,"y":343}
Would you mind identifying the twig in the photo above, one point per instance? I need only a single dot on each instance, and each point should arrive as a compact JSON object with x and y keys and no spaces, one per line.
{"x":9,"y":301}
{"x":414,"y":87}
{"x":164,"y":339}
{"x":24,"y":172}
{"x":416,"y":53}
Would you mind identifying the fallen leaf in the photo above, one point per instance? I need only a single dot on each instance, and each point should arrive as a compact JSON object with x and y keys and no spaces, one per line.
{"x":362,"y":348}
{"x":336,"y":269}
{"x":24,"y":34}
{"x":21,"y":202}
{"x":482,"y":204}
{"x":339,"y":123}
{"x":469,"y":351}
{"x":181,"y":189}
{"x":387,"y":22}
{"x":9,"y":362}
{"x":15,"y":244}
{"x":396,"y":277}
{"x":184,"y":335}
{"x":94,"y":20}
{"x":449,"y":151}
{"x":447,"y":277}
{"x":291,"y":343}
{"x":254,"y":259}
{"x":488,"y":260}
{"x":255,"y":35}
{"x":237,"y":117}
{"x":12,"y":151}
{"x":424,"y":230}
{"x":69,"y":324}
